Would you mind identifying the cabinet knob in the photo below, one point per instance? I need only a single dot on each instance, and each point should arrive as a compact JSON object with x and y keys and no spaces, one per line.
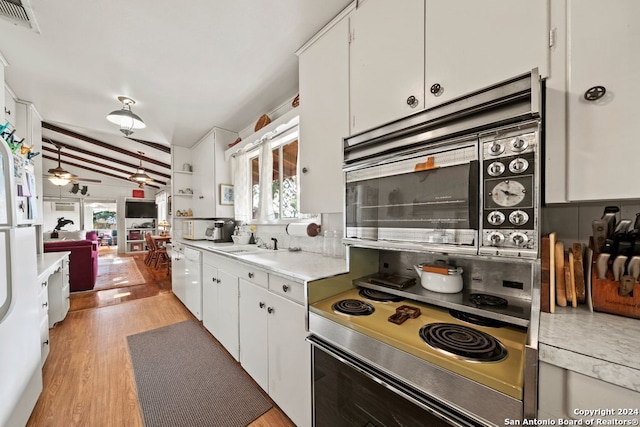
{"x":218,"y":280}
{"x":213,"y":279}
{"x":44,"y":284}
{"x":201,"y":197}
{"x":45,"y":304}
{"x":305,"y":170}
{"x":436,"y":89}
{"x":261,"y":304}
{"x":594,"y":93}
{"x":46,"y":342}
{"x":285,"y":288}
{"x":250,"y":275}
{"x":412,"y":101}
{"x":270,"y":310}
{"x":7,"y":112}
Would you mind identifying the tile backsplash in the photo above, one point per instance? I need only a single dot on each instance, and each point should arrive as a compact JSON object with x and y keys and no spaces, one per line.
{"x":307,"y":244}
{"x":572,"y":222}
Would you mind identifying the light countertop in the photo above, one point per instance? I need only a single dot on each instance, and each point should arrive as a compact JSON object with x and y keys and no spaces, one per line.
{"x":599,"y":345}
{"x":305,"y":266}
{"x":48,"y":260}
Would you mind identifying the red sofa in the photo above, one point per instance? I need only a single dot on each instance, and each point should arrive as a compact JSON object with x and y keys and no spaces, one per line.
{"x":83,"y":261}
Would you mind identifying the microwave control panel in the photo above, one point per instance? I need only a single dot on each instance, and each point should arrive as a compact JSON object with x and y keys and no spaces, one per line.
{"x":509,"y":193}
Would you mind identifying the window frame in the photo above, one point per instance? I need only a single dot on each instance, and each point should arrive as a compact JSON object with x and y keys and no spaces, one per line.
{"x":280,"y":141}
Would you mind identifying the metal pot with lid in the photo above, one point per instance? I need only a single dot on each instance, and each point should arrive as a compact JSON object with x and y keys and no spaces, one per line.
{"x":440,"y":277}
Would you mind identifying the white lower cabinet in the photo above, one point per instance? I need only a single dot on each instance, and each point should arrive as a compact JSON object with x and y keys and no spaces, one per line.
{"x":220,"y":302}
{"x":273,"y":349}
{"x":563,"y":393}
{"x":58,"y":290}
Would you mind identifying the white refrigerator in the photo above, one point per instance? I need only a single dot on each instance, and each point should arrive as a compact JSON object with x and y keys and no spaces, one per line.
{"x":20,"y":369}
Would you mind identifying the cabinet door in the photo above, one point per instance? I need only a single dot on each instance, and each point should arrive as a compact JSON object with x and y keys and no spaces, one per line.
{"x":178,"y":274}
{"x":603,"y":51}
{"x":324,"y":119}
{"x":493,"y":40}
{"x":210,"y":299}
{"x":386,"y":62}
{"x":203,"y":187}
{"x":228,"y":322}
{"x":253,"y":332}
{"x":289,"y":360}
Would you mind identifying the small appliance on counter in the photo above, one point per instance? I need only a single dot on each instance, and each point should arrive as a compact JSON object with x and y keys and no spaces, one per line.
{"x":221,"y":231}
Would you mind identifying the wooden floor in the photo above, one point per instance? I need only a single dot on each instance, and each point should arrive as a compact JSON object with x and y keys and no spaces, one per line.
{"x":88,"y":377}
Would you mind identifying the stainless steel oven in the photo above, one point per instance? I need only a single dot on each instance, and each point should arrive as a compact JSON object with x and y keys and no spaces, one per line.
{"x":459,"y":184}
{"x":462,"y":178}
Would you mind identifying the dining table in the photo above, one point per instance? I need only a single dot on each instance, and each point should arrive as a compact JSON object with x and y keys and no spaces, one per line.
{"x":160,"y":240}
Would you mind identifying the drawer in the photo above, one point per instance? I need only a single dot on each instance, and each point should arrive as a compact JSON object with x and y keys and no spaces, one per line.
{"x":44,"y":339}
{"x":289,"y":288}
{"x":43,"y":302}
{"x":253,"y":275}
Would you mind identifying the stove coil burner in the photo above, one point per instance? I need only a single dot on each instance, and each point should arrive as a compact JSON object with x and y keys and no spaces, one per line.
{"x":353,"y":307}
{"x":463,"y":342}
{"x":379,"y":295}
{"x":488,"y":300}
{"x":476,"y":320}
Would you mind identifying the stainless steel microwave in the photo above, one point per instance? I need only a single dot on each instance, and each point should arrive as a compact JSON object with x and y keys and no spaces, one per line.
{"x":461,"y":178}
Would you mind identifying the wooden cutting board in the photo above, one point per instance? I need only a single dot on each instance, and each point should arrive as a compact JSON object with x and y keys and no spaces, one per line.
{"x":561,"y":290}
{"x":552,"y":268}
{"x":578,"y":273}
{"x":545,"y":275}
{"x":571,"y":281}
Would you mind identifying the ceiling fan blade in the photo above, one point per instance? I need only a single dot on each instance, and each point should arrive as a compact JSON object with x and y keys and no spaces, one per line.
{"x":77,"y":178}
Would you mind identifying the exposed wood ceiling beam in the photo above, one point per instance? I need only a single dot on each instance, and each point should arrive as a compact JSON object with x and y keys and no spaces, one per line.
{"x":55,"y":159}
{"x":94,"y":141}
{"x":93,"y":162}
{"x":102,"y":156}
{"x":155,"y":145}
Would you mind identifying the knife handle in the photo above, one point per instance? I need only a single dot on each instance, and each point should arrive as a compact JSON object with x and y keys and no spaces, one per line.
{"x":634,"y":267}
{"x":626,"y":285}
{"x":602,"y":264}
{"x":599,"y":228}
{"x":618,"y":267}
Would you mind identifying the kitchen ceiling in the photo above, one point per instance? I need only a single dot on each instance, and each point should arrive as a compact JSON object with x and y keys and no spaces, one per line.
{"x":189,"y":66}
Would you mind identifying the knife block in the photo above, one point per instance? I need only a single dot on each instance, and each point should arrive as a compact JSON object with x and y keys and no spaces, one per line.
{"x":605,"y":297}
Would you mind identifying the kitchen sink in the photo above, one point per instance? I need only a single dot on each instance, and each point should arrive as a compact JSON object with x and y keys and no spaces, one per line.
{"x":240,"y":249}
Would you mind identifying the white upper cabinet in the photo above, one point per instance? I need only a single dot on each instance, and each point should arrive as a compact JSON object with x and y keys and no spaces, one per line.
{"x":209,"y":171}
{"x":324,"y":117}
{"x":386,"y":62}
{"x":592,"y":101}
{"x":471,"y":44}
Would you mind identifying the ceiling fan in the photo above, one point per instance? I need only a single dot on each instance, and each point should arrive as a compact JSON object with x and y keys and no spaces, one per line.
{"x":61,"y":177}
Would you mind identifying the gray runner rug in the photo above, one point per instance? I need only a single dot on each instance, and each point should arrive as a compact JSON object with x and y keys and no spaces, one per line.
{"x":184,"y":379}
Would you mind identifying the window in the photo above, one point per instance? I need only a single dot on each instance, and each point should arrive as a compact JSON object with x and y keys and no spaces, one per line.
{"x":285,"y":184}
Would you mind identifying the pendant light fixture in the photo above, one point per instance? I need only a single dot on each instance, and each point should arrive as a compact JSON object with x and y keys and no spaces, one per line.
{"x":125,"y":118}
{"x":59,"y":177}
{"x":140,"y":176}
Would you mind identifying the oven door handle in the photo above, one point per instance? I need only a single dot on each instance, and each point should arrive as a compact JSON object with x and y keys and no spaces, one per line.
{"x":440,"y":412}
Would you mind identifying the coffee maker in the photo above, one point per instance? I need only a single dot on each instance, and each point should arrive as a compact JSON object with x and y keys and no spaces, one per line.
{"x":221,"y":231}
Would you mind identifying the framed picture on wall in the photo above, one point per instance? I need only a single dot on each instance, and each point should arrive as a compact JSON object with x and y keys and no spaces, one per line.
{"x":226,"y":194}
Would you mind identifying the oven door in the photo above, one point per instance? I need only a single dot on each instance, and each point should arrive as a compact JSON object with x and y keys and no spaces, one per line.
{"x":427,"y":197}
{"x":348,"y":392}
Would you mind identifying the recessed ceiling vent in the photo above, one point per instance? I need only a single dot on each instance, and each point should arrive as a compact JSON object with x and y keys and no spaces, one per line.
{"x":19,"y":12}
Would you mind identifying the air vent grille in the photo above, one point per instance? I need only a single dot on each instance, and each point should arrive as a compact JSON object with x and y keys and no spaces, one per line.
{"x":15,"y":11}
{"x":65,"y":207}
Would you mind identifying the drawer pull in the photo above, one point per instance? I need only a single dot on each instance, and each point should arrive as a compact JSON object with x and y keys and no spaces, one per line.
{"x":46,"y":342}
{"x":44,"y":284}
{"x":261,"y":304}
{"x":250,"y":275}
{"x":270,"y":310}
{"x":285,"y":288}
{"x":213,"y":279}
{"x":45,"y":304}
